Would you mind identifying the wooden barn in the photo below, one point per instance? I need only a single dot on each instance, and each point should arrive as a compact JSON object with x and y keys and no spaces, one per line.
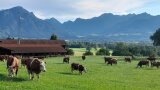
{"x":35,"y":47}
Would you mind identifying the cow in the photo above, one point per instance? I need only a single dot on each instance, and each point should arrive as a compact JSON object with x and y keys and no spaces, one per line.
{"x":34,"y":65}
{"x":83,"y":57}
{"x":143,"y":62}
{"x":23,"y":60}
{"x":66,"y":59}
{"x":127,"y":59}
{"x":112,"y":61}
{"x":151,"y":58}
{"x":106,"y":59}
{"x":156,"y":64}
{"x":12,"y":66}
{"x":3,"y":57}
{"x":78,"y":67}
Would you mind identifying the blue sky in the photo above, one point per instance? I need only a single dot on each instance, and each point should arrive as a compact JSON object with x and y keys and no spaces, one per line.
{"x":64,"y":10}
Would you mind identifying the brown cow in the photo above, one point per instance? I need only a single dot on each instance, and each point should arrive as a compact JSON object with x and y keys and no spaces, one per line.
{"x":66,"y":59}
{"x":151,"y":58}
{"x":83,"y":57}
{"x":76,"y":66}
{"x":143,"y":62}
{"x":156,"y":64}
{"x":106,"y":59}
{"x":23,"y":60}
{"x":3,"y":57}
{"x":34,"y":65}
{"x":127,"y":59}
{"x":112,"y":61}
{"x":12,"y":66}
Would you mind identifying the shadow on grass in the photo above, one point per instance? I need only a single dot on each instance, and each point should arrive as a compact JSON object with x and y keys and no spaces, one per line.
{"x":68,"y":73}
{"x":147,"y":68}
{"x":11,"y":79}
{"x":150,"y":68}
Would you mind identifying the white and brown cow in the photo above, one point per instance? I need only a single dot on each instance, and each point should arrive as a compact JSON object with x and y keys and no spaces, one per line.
{"x":12,"y":66}
{"x":34,"y":65}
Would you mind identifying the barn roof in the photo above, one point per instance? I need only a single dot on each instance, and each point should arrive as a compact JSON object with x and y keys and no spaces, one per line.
{"x":32,"y":41}
{"x":33,"y":46}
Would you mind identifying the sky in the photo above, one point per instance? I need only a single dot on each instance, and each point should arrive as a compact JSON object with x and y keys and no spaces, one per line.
{"x":64,"y":10}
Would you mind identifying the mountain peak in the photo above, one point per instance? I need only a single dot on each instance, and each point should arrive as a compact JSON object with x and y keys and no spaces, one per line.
{"x":18,"y":8}
{"x":145,"y":13}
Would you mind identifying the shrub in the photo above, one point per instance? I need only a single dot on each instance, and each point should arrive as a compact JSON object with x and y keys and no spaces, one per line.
{"x":88,"y":53}
{"x":102,"y":51}
{"x":69,"y":51}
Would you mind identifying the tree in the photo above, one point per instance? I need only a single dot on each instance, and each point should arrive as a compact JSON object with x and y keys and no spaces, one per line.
{"x":69,"y":51}
{"x":156,"y":38}
{"x":121,"y":49}
{"x":88,"y":53}
{"x":53,"y":37}
{"x":102,"y":51}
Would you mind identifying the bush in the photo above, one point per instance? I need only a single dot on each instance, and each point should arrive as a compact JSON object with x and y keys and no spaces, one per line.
{"x":88,"y":53}
{"x":102,"y":51}
{"x":69,"y":51}
{"x":122,"y":53}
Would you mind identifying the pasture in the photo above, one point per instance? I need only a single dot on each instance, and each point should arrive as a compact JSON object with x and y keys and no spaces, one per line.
{"x":80,"y":51}
{"x":99,"y":76}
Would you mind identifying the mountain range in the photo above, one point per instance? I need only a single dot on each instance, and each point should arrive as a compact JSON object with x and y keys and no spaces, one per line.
{"x":17,"y":22}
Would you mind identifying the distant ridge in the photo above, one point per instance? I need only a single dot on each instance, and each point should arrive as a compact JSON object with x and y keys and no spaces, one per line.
{"x":18,"y":22}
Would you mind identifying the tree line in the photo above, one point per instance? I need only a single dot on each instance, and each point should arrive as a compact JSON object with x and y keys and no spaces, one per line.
{"x":117,"y":48}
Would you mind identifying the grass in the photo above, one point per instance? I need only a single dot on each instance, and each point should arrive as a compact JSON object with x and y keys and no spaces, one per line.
{"x":80,"y":51}
{"x":99,"y":76}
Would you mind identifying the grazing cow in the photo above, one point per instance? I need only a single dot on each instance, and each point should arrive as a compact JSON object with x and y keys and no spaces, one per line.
{"x":143,"y":62}
{"x":106,"y":59}
{"x":112,"y":61}
{"x":76,"y":66}
{"x":127,"y":59}
{"x":156,"y":64}
{"x":83,"y":57}
{"x":151,"y":58}
{"x":66,"y":59}
{"x":12,"y":66}
{"x":3,"y":57}
{"x":34,"y":65}
{"x":23,"y":60}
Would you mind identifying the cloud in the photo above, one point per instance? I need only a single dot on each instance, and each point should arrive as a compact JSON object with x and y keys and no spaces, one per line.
{"x":70,"y":9}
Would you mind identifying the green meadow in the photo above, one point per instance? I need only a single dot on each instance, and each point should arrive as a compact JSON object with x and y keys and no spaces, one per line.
{"x":80,"y":51}
{"x":99,"y":76}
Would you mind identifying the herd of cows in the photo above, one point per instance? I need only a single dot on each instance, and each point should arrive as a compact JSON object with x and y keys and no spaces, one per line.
{"x":35,"y":65}
{"x":32,"y":64}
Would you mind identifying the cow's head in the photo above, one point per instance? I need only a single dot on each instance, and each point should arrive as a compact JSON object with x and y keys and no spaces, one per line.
{"x":42,"y":66}
{"x":10,"y":71}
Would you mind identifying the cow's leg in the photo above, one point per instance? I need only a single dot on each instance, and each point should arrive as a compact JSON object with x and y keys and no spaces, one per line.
{"x":38,"y":76}
{"x":32,"y":75}
{"x":72,"y":70}
{"x":29,"y":74}
{"x":16,"y":71}
{"x":80,"y":72}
